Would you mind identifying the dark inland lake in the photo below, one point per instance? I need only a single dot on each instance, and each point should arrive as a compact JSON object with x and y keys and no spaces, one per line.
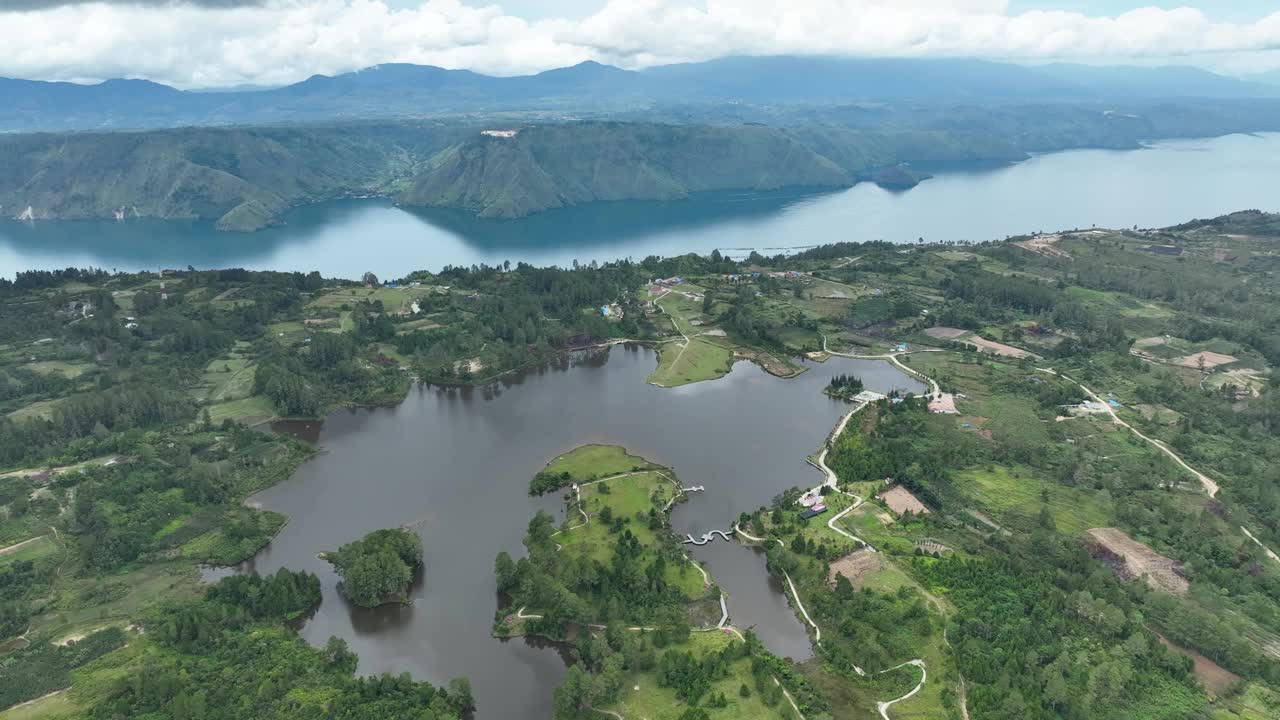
{"x":455,"y":465}
{"x":1167,"y":183}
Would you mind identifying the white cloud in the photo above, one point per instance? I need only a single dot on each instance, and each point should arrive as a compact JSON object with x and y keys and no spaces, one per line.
{"x":190,"y":44}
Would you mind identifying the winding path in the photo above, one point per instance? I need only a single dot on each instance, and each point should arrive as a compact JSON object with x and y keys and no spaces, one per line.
{"x":893,"y":358}
{"x":685,"y":343}
{"x":1210,"y":486}
{"x":883,"y":707}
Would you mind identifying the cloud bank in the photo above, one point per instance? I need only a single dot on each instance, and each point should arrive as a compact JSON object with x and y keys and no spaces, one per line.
{"x":209,"y":43}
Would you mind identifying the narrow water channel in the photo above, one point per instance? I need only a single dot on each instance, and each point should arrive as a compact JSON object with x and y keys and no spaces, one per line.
{"x":455,"y":464}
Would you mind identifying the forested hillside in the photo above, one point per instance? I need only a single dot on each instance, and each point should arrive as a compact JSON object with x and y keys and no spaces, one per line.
{"x":551,"y":166}
{"x":242,"y":179}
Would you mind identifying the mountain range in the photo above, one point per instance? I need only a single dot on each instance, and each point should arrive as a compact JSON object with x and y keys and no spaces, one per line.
{"x":591,"y":89}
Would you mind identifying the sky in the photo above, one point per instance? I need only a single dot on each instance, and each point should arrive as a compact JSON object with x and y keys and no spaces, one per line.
{"x":221,"y":43}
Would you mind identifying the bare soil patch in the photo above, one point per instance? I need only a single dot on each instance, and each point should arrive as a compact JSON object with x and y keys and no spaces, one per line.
{"x":945,"y":333}
{"x":1156,"y":341}
{"x":854,"y":566}
{"x":999,"y":348}
{"x":1131,"y":560}
{"x":900,"y":500}
{"x":1211,"y":359}
{"x":1044,"y":245}
{"x":1215,"y":678}
{"x":944,"y":403}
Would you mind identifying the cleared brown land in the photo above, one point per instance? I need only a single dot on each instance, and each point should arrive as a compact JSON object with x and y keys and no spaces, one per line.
{"x":1131,"y":560}
{"x":855,"y":566}
{"x":900,"y":500}
{"x":945,"y":403}
{"x":1212,"y":676}
{"x":1044,"y":245}
{"x":998,"y":348}
{"x":945,"y":333}
{"x":1211,"y":359}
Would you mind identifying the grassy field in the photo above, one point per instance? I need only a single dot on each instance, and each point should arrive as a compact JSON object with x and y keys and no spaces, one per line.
{"x":88,"y":602}
{"x":1254,"y":702}
{"x":42,"y":547}
{"x":589,"y":462}
{"x":681,"y":362}
{"x":54,"y":706}
{"x":250,"y":409}
{"x":42,"y":409}
{"x":227,"y":378}
{"x":1003,"y":491}
{"x":701,"y":360}
{"x":392,"y":299}
{"x":643,"y":698}
{"x":60,"y":367}
{"x":629,"y":500}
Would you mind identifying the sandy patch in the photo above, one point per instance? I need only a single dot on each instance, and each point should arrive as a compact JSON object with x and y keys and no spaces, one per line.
{"x":1150,"y":342}
{"x":716,"y":332}
{"x":945,"y":333}
{"x":854,"y":566}
{"x":943,"y":403}
{"x":1044,"y":245}
{"x":900,"y":500}
{"x":1131,"y":560}
{"x":885,"y":518}
{"x":999,"y":348}
{"x":1211,"y":359}
{"x":817,"y":356}
{"x":1212,"y":676}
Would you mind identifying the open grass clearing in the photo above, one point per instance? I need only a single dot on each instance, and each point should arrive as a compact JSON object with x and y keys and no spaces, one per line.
{"x":34,"y":549}
{"x":1005,"y":492}
{"x":227,"y":378}
{"x":54,"y":706}
{"x":116,"y":597}
{"x":641,"y":697}
{"x":700,"y":360}
{"x":1254,"y":702}
{"x":42,"y":409}
{"x":393,"y":299}
{"x":590,"y":462}
{"x":59,"y":367}
{"x":251,"y":410}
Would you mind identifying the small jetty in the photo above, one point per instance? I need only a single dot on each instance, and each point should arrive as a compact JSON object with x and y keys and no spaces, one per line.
{"x":695,"y":488}
{"x":706,"y":537}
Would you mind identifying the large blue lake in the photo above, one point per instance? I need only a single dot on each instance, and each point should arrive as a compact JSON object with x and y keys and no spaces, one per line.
{"x":1166,"y":183}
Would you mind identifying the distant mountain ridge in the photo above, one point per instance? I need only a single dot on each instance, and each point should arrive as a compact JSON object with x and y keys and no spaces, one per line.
{"x":414,"y":91}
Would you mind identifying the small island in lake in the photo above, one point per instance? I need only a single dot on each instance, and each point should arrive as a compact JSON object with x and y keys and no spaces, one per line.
{"x":844,"y":386}
{"x":378,"y":568}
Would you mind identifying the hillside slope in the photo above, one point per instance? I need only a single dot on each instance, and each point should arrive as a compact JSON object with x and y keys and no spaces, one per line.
{"x":242,"y":179}
{"x":553,"y":166}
